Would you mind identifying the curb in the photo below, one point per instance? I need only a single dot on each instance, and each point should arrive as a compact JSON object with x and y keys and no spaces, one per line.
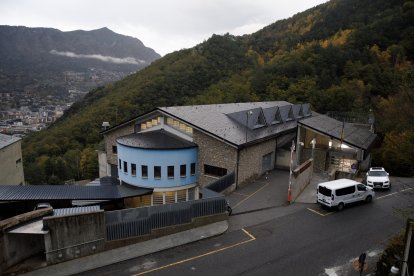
{"x":132,"y":251}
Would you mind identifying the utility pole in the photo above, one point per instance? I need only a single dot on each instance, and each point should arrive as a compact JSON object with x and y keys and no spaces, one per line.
{"x":292,"y":148}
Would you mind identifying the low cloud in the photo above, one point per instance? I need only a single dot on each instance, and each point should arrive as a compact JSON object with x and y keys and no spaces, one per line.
{"x":127,"y":60}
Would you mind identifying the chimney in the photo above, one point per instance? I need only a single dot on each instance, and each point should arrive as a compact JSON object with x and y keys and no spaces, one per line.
{"x":105,"y":126}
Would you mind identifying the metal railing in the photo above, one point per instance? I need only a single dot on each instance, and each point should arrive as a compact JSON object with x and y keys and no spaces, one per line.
{"x":128,"y":223}
{"x":222,"y":183}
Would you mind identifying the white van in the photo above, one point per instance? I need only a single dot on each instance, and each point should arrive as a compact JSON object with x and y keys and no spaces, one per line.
{"x":340,"y":192}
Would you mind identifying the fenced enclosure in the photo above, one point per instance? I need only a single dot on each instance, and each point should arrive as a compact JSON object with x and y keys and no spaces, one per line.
{"x":128,"y":223}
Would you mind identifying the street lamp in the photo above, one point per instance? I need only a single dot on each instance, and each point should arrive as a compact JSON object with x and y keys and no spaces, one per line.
{"x":313,"y":143}
{"x":247,"y":120}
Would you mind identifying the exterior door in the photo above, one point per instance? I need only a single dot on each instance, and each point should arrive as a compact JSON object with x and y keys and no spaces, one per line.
{"x":267,"y":162}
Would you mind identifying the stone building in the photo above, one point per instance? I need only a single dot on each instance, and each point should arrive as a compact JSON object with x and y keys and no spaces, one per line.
{"x":11,"y":172}
{"x":336,"y":146}
{"x":176,"y":150}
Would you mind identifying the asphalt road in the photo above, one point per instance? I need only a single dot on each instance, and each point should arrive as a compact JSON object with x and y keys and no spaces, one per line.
{"x":309,"y":241}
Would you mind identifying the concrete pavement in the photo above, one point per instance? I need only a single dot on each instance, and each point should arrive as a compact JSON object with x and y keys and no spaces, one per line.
{"x":264,"y":199}
{"x":257,"y":202}
{"x":132,"y":251}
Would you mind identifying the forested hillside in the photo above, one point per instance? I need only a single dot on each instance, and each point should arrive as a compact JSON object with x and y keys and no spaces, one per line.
{"x":345,"y":55}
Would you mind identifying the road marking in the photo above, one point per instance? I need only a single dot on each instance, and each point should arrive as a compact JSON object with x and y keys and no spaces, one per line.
{"x":249,"y":196}
{"x":252,"y":238}
{"x":394,"y":193}
{"x":248,"y":234}
{"x":316,"y":212}
{"x":387,"y":195}
{"x":236,"y":193}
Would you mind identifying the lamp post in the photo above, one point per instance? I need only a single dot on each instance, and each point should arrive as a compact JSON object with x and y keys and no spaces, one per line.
{"x":248,"y":113}
{"x":313,"y":143}
{"x":292,"y":148}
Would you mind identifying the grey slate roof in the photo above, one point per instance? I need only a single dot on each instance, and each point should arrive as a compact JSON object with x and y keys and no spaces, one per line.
{"x":67,"y":192}
{"x":358,"y":136}
{"x":228,"y":121}
{"x":158,"y":139}
{"x":6,"y":140}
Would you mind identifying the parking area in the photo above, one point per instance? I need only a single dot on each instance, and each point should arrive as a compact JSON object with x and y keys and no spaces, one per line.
{"x":270,"y":191}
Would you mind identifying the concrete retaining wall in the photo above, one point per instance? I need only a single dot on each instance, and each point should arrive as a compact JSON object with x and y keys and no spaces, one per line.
{"x":74,"y":236}
{"x":301,"y":178}
{"x":14,"y":248}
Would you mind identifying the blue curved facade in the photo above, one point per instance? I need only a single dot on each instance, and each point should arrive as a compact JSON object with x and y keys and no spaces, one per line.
{"x":155,"y":159}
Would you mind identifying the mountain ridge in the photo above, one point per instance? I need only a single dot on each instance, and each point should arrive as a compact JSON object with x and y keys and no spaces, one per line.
{"x":40,"y":56}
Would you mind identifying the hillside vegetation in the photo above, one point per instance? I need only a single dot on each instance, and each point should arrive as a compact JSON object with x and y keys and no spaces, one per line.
{"x":345,"y":55}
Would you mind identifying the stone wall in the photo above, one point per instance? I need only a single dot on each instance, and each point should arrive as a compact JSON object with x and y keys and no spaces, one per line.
{"x":110,"y":140}
{"x":215,"y":153}
{"x":74,"y":236}
{"x":251,"y":160}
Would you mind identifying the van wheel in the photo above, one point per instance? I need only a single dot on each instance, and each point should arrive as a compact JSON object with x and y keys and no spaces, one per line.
{"x":340,"y":206}
{"x":368,"y":199}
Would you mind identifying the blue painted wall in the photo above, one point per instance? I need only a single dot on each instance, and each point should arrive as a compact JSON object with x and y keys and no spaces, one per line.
{"x":163,"y":158}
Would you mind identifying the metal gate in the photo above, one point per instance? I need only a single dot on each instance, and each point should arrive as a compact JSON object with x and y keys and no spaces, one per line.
{"x":267,"y":162}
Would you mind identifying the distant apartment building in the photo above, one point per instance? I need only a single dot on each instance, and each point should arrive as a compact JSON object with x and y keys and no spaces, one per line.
{"x":11,"y":172}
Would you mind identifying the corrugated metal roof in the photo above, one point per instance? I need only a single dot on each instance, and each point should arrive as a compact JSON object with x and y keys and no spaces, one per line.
{"x":75,"y":210}
{"x":66,"y":192}
{"x":6,"y":140}
{"x":158,"y":139}
{"x":354,"y":135}
{"x":104,"y":181}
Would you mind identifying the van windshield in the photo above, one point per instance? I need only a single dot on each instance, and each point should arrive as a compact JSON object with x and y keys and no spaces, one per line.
{"x":325,"y":191}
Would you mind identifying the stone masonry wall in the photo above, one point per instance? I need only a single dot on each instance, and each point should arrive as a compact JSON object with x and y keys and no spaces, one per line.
{"x":110,"y":140}
{"x":251,"y":160}
{"x":215,"y":153}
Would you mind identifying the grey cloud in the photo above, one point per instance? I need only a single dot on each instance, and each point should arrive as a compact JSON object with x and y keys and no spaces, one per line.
{"x":127,"y":60}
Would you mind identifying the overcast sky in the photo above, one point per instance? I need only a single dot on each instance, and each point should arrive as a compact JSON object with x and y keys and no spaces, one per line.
{"x":164,"y":25}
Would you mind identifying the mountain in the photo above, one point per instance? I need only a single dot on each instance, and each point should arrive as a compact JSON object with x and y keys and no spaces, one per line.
{"x":344,"y":55}
{"x":40,"y":57}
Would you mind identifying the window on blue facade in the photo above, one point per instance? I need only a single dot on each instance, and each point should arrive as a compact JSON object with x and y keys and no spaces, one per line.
{"x":170,"y":171}
{"x":133,"y":169}
{"x":157,"y":172}
{"x":193,"y":169}
{"x":183,"y":170}
{"x":144,"y":171}
{"x":125,"y":167}
{"x":120,"y":164}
